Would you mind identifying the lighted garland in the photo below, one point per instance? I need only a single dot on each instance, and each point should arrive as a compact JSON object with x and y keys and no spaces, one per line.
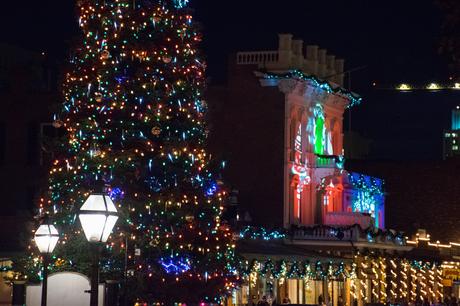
{"x":180,"y":3}
{"x":297,"y":74}
{"x":372,"y":234}
{"x":5,"y":268}
{"x":251,"y":232}
{"x":296,"y":269}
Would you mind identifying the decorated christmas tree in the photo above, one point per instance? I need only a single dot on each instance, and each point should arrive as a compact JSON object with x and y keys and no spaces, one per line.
{"x":135,"y":120}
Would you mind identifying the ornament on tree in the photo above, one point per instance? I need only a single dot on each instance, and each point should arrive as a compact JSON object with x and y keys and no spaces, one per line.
{"x":155,"y":242}
{"x":156,"y":131}
{"x":105,"y":55}
{"x":166,"y":59}
{"x":182,"y":34}
{"x":95,"y":151}
{"x":156,"y":19}
{"x":58,"y":123}
{"x":98,"y":97}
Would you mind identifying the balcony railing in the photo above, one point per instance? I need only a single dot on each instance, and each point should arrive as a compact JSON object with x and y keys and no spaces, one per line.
{"x":257,"y":57}
{"x":328,"y":161}
{"x":326,"y":233}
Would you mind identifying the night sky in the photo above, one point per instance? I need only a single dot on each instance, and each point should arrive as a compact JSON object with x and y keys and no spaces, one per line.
{"x":396,"y":40}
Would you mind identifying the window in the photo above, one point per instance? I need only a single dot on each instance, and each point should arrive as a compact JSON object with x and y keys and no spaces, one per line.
{"x":326,"y":200}
{"x":319,"y":135}
{"x":447,"y":135}
{"x":455,"y":148}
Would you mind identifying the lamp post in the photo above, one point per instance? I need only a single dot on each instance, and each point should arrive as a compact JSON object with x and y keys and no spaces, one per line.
{"x":98,"y":216}
{"x":46,"y":238}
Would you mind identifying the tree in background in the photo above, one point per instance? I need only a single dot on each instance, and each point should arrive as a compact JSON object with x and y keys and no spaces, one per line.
{"x":135,"y":121}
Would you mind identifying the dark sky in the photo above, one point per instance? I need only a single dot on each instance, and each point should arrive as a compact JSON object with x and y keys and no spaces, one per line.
{"x":396,"y":40}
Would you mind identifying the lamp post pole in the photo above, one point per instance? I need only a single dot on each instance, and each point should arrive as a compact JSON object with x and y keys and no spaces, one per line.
{"x":94,"y":294}
{"x":98,"y":216}
{"x":46,"y":260}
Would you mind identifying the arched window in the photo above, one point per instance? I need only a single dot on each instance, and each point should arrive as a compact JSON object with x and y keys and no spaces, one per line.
{"x":319,"y":135}
{"x":319,"y":130}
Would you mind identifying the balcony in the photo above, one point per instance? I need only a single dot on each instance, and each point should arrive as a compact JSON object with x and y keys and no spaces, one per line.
{"x":328,"y":161}
{"x":348,"y":219}
{"x":344,"y":236}
{"x":326,"y":233}
{"x":260,"y":58}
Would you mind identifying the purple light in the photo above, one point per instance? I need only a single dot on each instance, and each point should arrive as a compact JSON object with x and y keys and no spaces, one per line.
{"x":175,"y":265}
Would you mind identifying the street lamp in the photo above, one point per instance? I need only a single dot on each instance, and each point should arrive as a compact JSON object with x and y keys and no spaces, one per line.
{"x":46,"y":238}
{"x":98,"y":216}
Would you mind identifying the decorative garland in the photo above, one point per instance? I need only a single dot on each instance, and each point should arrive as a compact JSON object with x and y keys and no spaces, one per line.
{"x":180,"y":3}
{"x":5,"y":268}
{"x":396,"y":237}
{"x":296,"y":269}
{"x":372,"y":234}
{"x":297,"y":74}
{"x":251,"y":232}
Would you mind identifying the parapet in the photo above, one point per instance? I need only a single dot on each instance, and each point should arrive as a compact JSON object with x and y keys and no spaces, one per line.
{"x":292,"y":54}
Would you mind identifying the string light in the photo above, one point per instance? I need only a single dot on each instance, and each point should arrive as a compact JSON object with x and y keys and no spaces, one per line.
{"x":297,"y":74}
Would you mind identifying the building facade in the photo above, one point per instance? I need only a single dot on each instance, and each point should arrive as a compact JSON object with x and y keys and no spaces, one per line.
{"x":281,"y":129}
{"x":451,"y":144}
{"x":27,"y":93}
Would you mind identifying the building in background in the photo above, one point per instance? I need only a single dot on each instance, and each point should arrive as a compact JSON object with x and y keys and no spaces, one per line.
{"x":28,"y":92}
{"x":281,"y":133}
{"x":285,"y":133}
{"x":451,"y":143}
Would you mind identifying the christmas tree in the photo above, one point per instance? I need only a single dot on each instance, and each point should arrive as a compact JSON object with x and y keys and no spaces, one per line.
{"x":135,"y":121}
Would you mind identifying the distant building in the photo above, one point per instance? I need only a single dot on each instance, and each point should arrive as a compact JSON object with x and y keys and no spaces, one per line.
{"x":280,"y":130}
{"x":283,"y":139}
{"x":451,"y":144}
{"x":27,"y":93}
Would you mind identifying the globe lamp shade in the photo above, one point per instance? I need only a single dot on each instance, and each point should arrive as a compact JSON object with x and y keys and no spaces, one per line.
{"x":98,"y":216}
{"x":46,"y":238}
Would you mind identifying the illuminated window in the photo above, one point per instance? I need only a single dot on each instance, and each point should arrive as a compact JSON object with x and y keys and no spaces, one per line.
{"x":326,"y":200}
{"x":453,"y":141}
{"x":455,"y":148}
{"x":447,"y":135}
{"x":454,"y":134}
{"x":319,"y":135}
